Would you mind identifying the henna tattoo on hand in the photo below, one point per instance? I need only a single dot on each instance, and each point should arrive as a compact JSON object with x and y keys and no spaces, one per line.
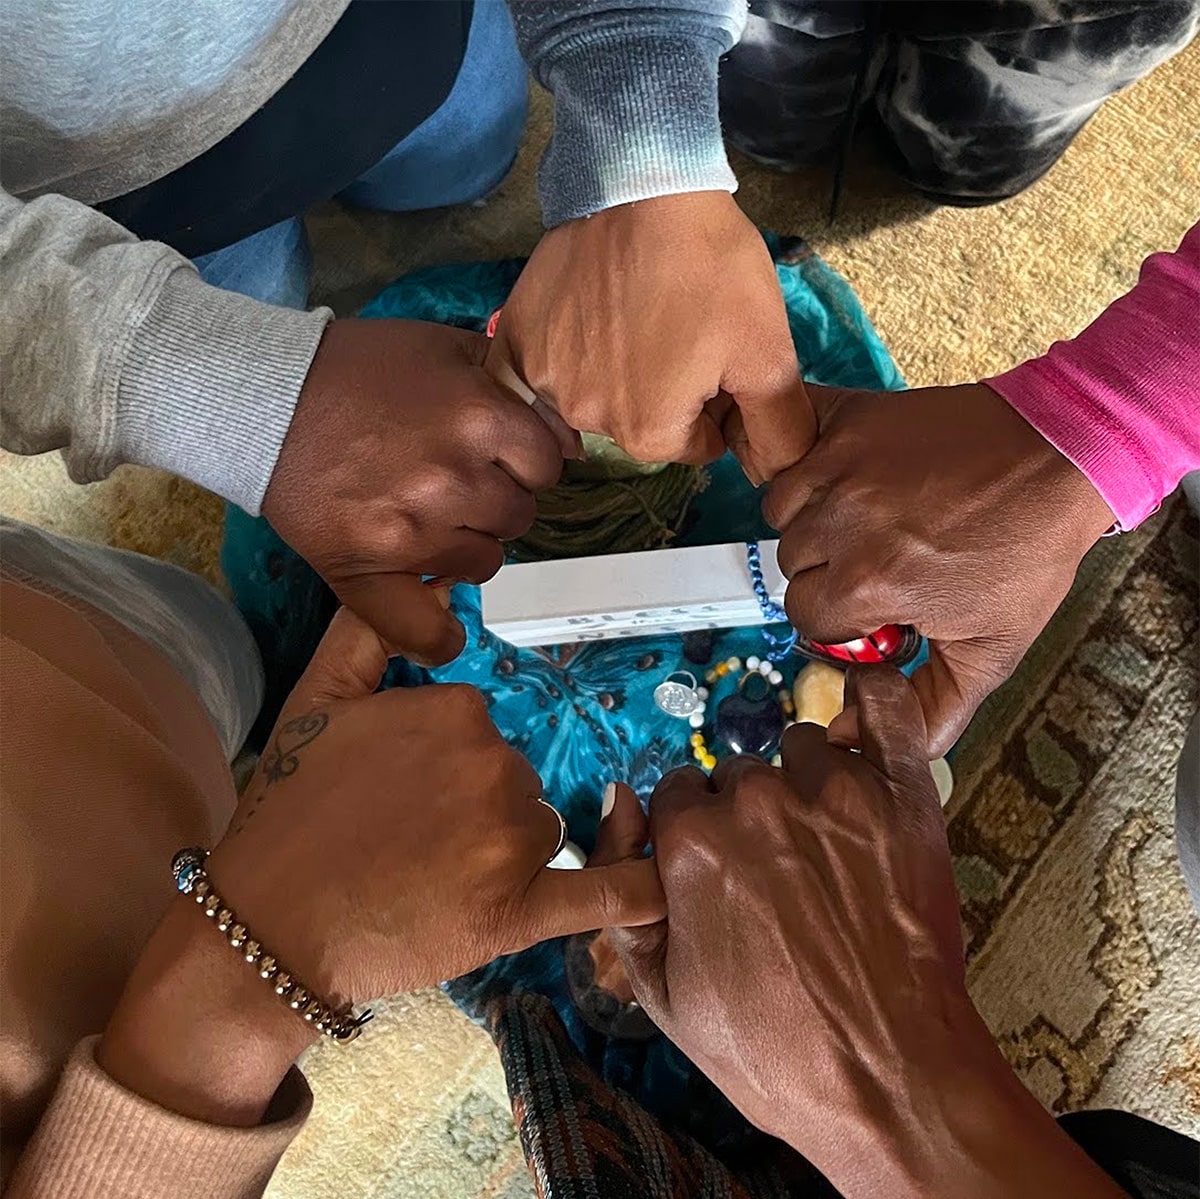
{"x":280,"y":760}
{"x":283,"y":760}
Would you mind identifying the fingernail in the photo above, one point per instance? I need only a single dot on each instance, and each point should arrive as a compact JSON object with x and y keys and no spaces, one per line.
{"x":570,"y":857}
{"x":756,"y":479}
{"x":609,"y":801}
{"x":440,"y":581}
{"x":443,"y":596}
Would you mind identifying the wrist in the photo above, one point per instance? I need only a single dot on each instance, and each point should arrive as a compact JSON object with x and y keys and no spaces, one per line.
{"x":196,"y":1031}
{"x":1071,"y":504}
{"x":648,"y":150}
{"x":209,"y":384}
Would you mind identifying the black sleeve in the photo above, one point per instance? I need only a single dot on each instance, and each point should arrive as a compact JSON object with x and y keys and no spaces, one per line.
{"x":1148,"y":1160}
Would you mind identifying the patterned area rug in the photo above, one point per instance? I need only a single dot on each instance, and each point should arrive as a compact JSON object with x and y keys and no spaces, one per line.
{"x":1085,"y":954}
{"x":1084,"y":949}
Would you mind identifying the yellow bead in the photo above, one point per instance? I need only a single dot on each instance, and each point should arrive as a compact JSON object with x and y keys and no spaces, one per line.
{"x":698,"y":753}
{"x":697,"y":738}
{"x":722,"y":670}
{"x":709,"y":762}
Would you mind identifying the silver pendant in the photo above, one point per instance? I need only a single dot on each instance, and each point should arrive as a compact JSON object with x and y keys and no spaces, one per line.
{"x":680,"y":699}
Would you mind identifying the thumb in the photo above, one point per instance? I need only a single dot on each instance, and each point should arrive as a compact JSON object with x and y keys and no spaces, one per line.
{"x":413,"y":619}
{"x":347,"y":664}
{"x":642,"y":949}
{"x":624,"y":829}
{"x":560,"y":903}
{"x":958,"y":677}
{"x":774,"y":425}
{"x":499,"y":365}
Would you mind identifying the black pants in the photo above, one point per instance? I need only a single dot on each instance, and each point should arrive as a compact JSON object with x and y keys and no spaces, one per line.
{"x":976,"y":98}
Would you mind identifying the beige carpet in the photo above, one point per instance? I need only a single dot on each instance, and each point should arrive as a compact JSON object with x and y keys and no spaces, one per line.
{"x":1085,"y":956}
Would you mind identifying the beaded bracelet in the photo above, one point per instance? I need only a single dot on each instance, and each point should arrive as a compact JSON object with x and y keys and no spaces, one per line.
{"x":187,"y":868}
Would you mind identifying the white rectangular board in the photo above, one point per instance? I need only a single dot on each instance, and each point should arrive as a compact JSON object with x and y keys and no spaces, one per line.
{"x":628,"y":595}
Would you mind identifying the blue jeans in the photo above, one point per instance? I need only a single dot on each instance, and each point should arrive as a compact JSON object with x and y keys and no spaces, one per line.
{"x":457,"y":155}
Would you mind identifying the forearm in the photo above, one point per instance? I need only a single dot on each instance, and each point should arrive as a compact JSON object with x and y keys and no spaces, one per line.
{"x":963,"y":1126}
{"x":635,"y":92}
{"x":113,"y":350}
{"x":179,"y":1087}
{"x":1122,"y":400}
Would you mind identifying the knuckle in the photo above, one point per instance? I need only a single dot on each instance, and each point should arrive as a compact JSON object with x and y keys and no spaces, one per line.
{"x":477,"y":422}
{"x":464,"y":702}
{"x":806,"y":601}
{"x":858,"y":585}
{"x":591,"y":413}
{"x":610,"y":904}
{"x":431,"y":487}
{"x":790,"y":549}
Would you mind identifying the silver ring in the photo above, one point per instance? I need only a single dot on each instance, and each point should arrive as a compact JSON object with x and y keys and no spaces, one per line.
{"x":562,"y":829}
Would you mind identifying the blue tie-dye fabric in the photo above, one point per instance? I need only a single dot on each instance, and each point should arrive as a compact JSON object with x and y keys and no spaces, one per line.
{"x":584,"y":714}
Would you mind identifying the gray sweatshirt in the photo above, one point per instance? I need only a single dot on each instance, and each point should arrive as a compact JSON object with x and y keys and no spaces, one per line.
{"x":113,"y":350}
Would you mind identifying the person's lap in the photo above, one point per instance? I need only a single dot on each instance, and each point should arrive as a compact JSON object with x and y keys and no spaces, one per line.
{"x":456,"y":156}
{"x":976,"y":100}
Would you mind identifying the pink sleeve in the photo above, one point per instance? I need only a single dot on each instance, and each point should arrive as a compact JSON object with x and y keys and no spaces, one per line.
{"x":97,"y":1140}
{"x":1122,"y":400}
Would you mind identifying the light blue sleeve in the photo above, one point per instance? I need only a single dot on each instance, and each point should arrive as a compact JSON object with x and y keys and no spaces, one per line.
{"x":635,"y":98}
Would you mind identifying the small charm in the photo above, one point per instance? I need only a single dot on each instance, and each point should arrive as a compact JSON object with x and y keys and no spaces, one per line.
{"x":187,"y":866}
{"x":681,"y":699}
{"x":750,"y":722}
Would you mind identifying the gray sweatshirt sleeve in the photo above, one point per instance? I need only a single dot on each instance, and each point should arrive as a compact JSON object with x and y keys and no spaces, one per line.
{"x":635,"y":98}
{"x":113,"y":350}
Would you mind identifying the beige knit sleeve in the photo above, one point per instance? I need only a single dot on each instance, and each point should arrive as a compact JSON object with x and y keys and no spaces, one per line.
{"x":97,"y":1140}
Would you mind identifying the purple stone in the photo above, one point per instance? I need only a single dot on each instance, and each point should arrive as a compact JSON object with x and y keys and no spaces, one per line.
{"x":750,"y":722}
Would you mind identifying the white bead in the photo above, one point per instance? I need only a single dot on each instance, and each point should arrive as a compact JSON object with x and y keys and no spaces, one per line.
{"x":702,"y":692}
{"x":734,"y":663}
{"x":765,"y":667}
{"x":696,"y":720}
{"x":775,"y":678}
{"x":752,"y":663}
{"x":700,"y":707}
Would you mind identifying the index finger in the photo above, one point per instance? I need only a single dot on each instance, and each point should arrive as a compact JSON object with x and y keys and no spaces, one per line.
{"x":676,"y":791}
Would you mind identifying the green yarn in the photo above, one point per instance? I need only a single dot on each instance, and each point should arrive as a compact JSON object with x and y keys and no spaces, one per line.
{"x":609,"y":504}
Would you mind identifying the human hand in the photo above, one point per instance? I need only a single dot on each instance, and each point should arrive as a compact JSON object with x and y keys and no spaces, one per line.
{"x":661,"y":325}
{"x":811,"y":964}
{"x":941,"y":508}
{"x":405,"y":458}
{"x":391,"y":840}
{"x":387,"y":841}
